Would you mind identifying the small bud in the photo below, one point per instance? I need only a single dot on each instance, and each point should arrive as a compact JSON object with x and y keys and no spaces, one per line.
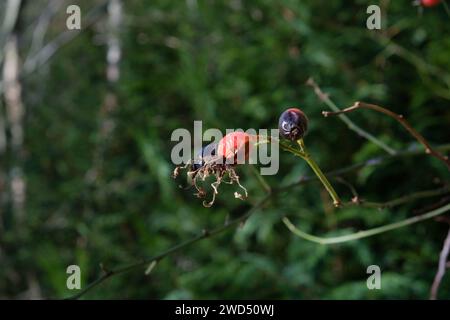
{"x":293,"y":124}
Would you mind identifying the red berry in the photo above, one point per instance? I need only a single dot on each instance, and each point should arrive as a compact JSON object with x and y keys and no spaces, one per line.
{"x":429,"y":3}
{"x":234,"y":144}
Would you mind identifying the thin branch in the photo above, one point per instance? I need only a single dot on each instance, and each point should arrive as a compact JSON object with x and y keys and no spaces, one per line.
{"x":364,"y":233}
{"x":442,"y":267}
{"x":400,"y":119}
{"x":41,"y":27}
{"x":404,"y":199}
{"x":203,"y":235}
{"x":351,"y":125}
{"x":49,"y":50}
{"x":44,"y":54}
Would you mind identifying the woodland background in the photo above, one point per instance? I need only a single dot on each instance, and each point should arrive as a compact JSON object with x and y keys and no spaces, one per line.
{"x":85,"y":124}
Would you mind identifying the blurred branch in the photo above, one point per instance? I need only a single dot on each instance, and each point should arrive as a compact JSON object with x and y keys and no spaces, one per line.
{"x":44,"y":54}
{"x":106,"y":123}
{"x":401,"y":120}
{"x":114,"y":51}
{"x":351,"y":125}
{"x":40,"y":29}
{"x":436,"y":78}
{"x":9,"y":21}
{"x":442,"y":267}
{"x":10,"y":18}
{"x":41,"y":57}
{"x":424,"y":68}
{"x":15,"y":112}
{"x":393,"y":48}
{"x":3,"y":138}
{"x":364,"y":233}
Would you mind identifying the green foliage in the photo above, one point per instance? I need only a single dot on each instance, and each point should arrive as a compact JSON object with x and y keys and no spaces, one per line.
{"x":232,"y":64}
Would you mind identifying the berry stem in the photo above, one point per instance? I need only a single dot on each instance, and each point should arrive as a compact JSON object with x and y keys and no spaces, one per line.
{"x":315,"y":167}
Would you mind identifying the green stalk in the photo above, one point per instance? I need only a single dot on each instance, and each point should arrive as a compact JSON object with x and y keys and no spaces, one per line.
{"x":314,"y":166}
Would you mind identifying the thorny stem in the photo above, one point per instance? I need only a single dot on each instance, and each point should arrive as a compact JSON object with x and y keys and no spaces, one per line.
{"x":365,"y":233}
{"x":319,"y":173}
{"x":401,"y":120}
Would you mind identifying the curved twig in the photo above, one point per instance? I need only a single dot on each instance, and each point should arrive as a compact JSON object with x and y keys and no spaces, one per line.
{"x":364,"y":233}
{"x":401,"y":120}
{"x":351,"y":125}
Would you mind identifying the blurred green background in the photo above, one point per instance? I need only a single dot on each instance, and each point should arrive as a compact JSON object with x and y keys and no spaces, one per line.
{"x":94,"y":165}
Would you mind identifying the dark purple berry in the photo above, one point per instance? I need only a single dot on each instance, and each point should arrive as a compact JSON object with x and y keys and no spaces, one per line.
{"x":207,"y":152}
{"x":293,"y":124}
